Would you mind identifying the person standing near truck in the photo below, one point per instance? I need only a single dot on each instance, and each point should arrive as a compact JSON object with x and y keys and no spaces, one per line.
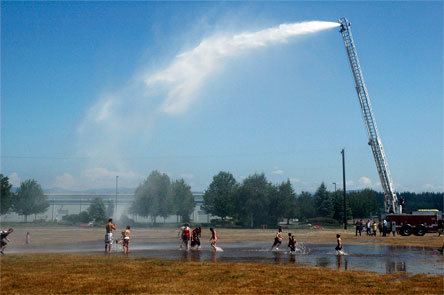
{"x":393,"y":225}
{"x":384,"y":228}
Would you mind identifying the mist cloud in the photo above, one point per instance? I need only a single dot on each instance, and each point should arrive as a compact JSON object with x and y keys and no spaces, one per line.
{"x":115,"y":119}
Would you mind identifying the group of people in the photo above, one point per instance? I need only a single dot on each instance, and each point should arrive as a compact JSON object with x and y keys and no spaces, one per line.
{"x":278,"y":238}
{"x":124,"y":239}
{"x":371,"y":227}
{"x":191,"y":238}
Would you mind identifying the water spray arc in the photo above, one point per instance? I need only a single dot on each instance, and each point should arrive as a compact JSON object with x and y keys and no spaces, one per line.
{"x":391,"y":203}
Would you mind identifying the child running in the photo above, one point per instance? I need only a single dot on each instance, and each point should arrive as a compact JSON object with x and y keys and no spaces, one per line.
{"x":291,"y":243}
{"x":126,"y":238}
{"x":4,"y":239}
{"x":195,"y":237}
{"x":338,"y":244}
{"x":186,"y":234}
{"x":277,"y":239}
{"x":213,"y":239}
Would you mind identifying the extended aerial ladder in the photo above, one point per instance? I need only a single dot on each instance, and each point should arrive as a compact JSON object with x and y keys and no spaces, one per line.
{"x":391,"y":202}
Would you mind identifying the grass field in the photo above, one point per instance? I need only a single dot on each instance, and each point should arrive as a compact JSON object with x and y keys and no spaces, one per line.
{"x":100,"y":274}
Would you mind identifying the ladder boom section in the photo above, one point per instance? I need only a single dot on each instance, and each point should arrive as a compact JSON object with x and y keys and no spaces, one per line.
{"x":390,"y":198}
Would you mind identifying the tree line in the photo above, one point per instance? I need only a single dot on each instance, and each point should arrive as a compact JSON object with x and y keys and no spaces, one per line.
{"x":252,"y":203}
{"x":256,"y":202}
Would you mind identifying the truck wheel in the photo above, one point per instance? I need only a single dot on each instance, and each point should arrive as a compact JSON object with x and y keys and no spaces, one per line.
{"x":420,"y":230}
{"x":406,"y":230}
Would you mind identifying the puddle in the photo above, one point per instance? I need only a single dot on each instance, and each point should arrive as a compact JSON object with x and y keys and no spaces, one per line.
{"x":374,"y":258}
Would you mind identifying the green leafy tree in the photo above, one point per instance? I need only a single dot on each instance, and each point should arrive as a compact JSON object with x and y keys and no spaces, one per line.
{"x":253,"y":201}
{"x":305,"y":206}
{"x":363,"y":203}
{"x":97,"y":211}
{"x":287,"y":204}
{"x":338,"y":206}
{"x":183,"y":199}
{"x":220,"y":197}
{"x":152,"y":197}
{"x":30,"y":199}
{"x":6,"y":195}
{"x":323,"y":202}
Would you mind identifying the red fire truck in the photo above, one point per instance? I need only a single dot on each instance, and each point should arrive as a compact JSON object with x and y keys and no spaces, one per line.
{"x":418,"y":223}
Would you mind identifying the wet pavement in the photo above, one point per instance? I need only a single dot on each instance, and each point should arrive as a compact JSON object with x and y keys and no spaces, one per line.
{"x":374,"y":258}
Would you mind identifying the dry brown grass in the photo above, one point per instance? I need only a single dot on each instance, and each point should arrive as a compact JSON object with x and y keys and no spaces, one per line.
{"x":95,"y":274}
{"x":44,"y":236}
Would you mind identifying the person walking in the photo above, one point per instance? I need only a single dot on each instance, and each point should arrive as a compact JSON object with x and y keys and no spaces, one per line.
{"x":357,"y":228}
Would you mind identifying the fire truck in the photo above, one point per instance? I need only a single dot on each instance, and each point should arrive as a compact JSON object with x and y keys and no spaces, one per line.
{"x":418,"y":224}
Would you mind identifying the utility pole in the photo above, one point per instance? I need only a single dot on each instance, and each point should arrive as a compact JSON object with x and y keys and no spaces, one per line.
{"x":344,"y":187}
{"x":115,"y":207}
{"x":53,"y":204}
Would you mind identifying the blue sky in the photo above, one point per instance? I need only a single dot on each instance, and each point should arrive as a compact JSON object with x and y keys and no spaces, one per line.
{"x":76,"y":109}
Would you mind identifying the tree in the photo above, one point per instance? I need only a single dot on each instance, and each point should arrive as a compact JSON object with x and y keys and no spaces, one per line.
{"x":338,"y":206}
{"x":183,"y":199}
{"x":30,"y":199}
{"x":287,"y":196}
{"x":5,"y":195}
{"x":152,"y":197}
{"x":97,"y":211}
{"x":323,"y":202}
{"x":220,"y":197}
{"x":252,"y":206}
{"x":305,"y":206}
{"x":363,"y":203}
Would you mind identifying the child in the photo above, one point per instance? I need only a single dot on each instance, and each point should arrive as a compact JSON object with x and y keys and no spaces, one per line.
{"x":291,"y":242}
{"x":213,"y":239}
{"x":277,"y":239}
{"x":338,"y":243}
{"x":4,"y":239}
{"x":126,"y":238}
{"x":195,"y":237}
{"x":186,"y":234}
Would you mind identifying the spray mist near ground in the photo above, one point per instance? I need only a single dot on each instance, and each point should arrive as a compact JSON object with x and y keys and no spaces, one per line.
{"x":129,"y":113}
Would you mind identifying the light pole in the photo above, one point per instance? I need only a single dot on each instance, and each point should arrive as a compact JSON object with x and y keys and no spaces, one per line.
{"x":343,"y":183}
{"x":115,"y":206}
{"x":335,"y":185}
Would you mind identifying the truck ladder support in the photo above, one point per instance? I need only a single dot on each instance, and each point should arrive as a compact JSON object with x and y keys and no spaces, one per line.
{"x":391,"y":203}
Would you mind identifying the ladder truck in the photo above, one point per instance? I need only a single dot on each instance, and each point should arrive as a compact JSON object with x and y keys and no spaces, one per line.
{"x":406,"y":224}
